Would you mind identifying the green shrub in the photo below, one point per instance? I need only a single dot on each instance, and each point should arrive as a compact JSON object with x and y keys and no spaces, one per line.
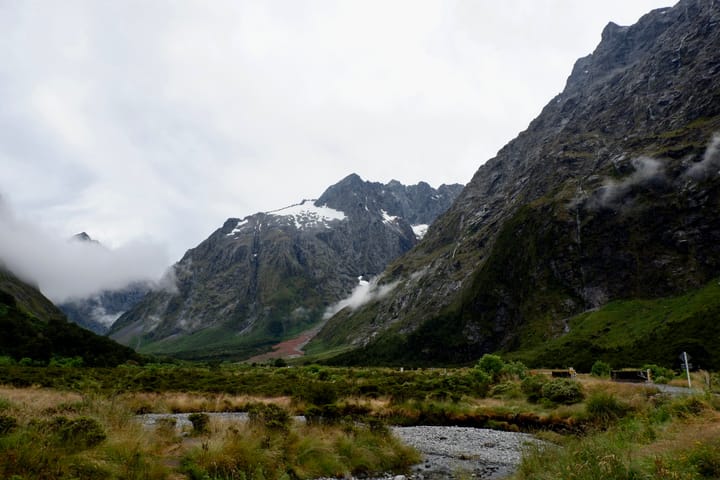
{"x":325,"y":414}
{"x":563,"y":390}
{"x":6,"y":361}
{"x":706,"y":459}
{"x":604,"y":408}
{"x":514,"y":370}
{"x":318,"y":393}
{"x":532,"y":387}
{"x":79,"y":433}
{"x":491,"y":365}
{"x":65,"y":362}
{"x":200,"y":422}
{"x":685,"y":407}
{"x":482,"y":379}
{"x":659,"y":374}
{"x":271,"y":416}
{"x":600,"y":369}
{"x":506,"y":390}
{"x":7,"y":424}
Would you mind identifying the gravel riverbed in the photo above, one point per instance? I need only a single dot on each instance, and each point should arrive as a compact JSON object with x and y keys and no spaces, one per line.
{"x":448,"y":452}
{"x":451,"y":452}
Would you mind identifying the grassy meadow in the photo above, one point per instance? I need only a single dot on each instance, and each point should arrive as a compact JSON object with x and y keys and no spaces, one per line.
{"x":80,"y":423}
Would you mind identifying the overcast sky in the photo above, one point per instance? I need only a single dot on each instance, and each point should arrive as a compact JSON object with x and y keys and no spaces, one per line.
{"x":154,"y":121}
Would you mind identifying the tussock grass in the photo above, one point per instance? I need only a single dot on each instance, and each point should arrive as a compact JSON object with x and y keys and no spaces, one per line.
{"x":184,"y":402}
{"x":631,"y":431}
{"x":61,"y":435}
{"x":305,"y":451}
{"x":672,"y":439}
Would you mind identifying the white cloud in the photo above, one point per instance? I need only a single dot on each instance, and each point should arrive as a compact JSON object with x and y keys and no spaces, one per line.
{"x":362,"y":294}
{"x":646,"y":170}
{"x":710,"y":163}
{"x":66,"y":269}
{"x":160,"y":119}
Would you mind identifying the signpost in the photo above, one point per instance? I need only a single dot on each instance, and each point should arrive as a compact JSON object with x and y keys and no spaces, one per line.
{"x":685,"y":358}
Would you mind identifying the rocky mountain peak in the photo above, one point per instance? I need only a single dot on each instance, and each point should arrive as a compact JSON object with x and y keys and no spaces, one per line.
{"x":84,"y":237}
{"x":526,"y":244}
{"x":257,"y":279}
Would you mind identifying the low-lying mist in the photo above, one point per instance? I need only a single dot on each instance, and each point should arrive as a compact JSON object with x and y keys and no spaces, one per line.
{"x":66,"y":269}
{"x":365,"y":292}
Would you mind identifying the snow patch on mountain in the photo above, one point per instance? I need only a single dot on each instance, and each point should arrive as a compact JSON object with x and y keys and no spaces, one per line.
{"x":387,"y":218}
{"x":238,"y":227}
{"x":420,"y":230}
{"x":307,"y":214}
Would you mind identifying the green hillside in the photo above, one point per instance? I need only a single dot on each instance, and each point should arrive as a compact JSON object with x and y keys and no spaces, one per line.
{"x":33,"y":328}
{"x":636,"y":332}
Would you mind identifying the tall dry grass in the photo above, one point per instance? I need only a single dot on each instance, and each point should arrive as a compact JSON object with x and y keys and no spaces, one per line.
{"x":64,"y":435}
{"x":184,"y":402}
{"x":250,"y":450}
{"x":121,"y":448}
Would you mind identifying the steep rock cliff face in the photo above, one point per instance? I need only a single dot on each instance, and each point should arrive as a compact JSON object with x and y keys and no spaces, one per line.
{"x":612,"y":192}
{"x":268,"y":276}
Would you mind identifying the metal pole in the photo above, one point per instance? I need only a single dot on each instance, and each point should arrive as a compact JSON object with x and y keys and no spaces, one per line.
{"x":687,"y":369}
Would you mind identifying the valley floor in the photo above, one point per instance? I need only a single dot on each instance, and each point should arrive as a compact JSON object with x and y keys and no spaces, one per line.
{"x":358,"y":422}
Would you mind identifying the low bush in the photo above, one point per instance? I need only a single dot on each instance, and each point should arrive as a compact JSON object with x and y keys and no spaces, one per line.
{"x":514,"y":370}
{"x":563,"y":390}
{"x":532,"y":387}
{"x":506,"y":390}
{"x":659,"y":374}
{"x":7,"y":424}
{"x":690,"y":406}
{"x":600,"y":369}
{"x":269,"y":415}
{"x":705,"y":458}
{"x":317,"y":393}
{"x":491,"y":365}
{"x":604,"y":408}
{"x":200,"y":422}
{"x":78,"y":433}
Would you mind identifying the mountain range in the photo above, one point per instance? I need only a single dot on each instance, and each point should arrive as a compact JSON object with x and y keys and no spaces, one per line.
{"x":611,"y":195}
{"x":593,"y":235}
{"x":269,"y":276}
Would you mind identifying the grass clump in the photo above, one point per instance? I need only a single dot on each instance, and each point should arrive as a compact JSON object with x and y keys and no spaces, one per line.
{"x":7,"y":424}
{"x":603,"y":409}
{"x":200,"y":422}
{"x":303,"y":451}
{"x":270,"y":416}
{"x":668,"y":439}
{"x":532,"y":387}
{"x":77,"y":434}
